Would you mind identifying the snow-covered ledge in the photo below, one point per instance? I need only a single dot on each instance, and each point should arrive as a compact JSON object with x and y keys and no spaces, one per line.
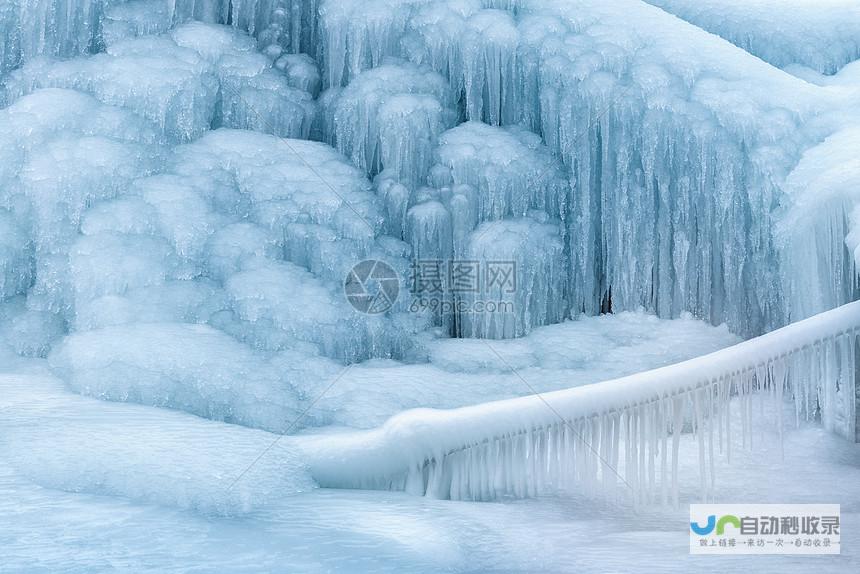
{"x":520,"y":447}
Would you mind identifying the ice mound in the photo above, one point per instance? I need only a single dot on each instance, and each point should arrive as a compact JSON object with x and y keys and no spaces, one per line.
{"x":171,"y":86}
{"x":242,"y":231}
{"x":389,"y":117}
{"x":302,"y":72}
{"x":509,"y":167}
{"x":199,"y":77}
{"x":77,"y":444}
{"x":478,"y":48}
{"x":193,"y":368}
{"x":318,"y":209}
{"x":281,"y":303}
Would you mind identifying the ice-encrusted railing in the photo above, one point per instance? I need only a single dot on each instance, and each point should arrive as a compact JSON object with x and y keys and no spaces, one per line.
{"x":610,"y":437}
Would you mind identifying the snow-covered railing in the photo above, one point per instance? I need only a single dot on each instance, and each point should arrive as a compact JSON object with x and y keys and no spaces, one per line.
{"x":619,"y":434}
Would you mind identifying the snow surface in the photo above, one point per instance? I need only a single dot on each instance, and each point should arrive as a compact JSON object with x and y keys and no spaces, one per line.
{"x":101,"y":522}
{"x":823,"y":35}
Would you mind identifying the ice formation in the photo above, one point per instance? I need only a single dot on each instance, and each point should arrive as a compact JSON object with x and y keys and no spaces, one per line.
{"x":607,"y":104}
{"x":616,"y":438}
{"x":155,"y":456}
{"x":201,"y":77}
{"x":194,"y":368}
{"x":535,"y":293}
{"x":821,"y":35}
{"x":389,"y":117}
{"x":170,"y":235}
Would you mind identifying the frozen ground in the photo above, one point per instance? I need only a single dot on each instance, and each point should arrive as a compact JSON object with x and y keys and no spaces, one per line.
{"x":61,"y":509}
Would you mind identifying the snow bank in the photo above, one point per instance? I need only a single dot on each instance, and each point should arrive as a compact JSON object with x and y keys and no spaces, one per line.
{"x":822,"y":35}
{"x":460,"y":372}
{"x":193,"y":368}
{"x":62,"y":441}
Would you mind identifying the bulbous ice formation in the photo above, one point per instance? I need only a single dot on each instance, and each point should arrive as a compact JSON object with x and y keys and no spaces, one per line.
{"x":389,"y":117}
{"x":523,"y":267}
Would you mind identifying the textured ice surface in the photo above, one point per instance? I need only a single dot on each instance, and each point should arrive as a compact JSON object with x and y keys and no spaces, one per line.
{"x":472,"y":371}
{"x":64,"y":521}
{"x":389,"y":117}
{"x":69,"y":443}
{"x":194,"y":368}
{"x":822,"y":35}
{"x":204,"y":76}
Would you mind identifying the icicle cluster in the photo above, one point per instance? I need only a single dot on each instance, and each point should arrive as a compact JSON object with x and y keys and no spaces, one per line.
{"x":533,"y":295}
{"x":818,"y":233}
{"x":619,"y":438}
{"x":677,"y":146}
{"x":199,"y":77}
{"x":389,"y":118}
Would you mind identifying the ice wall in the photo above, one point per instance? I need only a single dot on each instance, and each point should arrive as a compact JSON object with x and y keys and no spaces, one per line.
{"x":676,"y":143}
